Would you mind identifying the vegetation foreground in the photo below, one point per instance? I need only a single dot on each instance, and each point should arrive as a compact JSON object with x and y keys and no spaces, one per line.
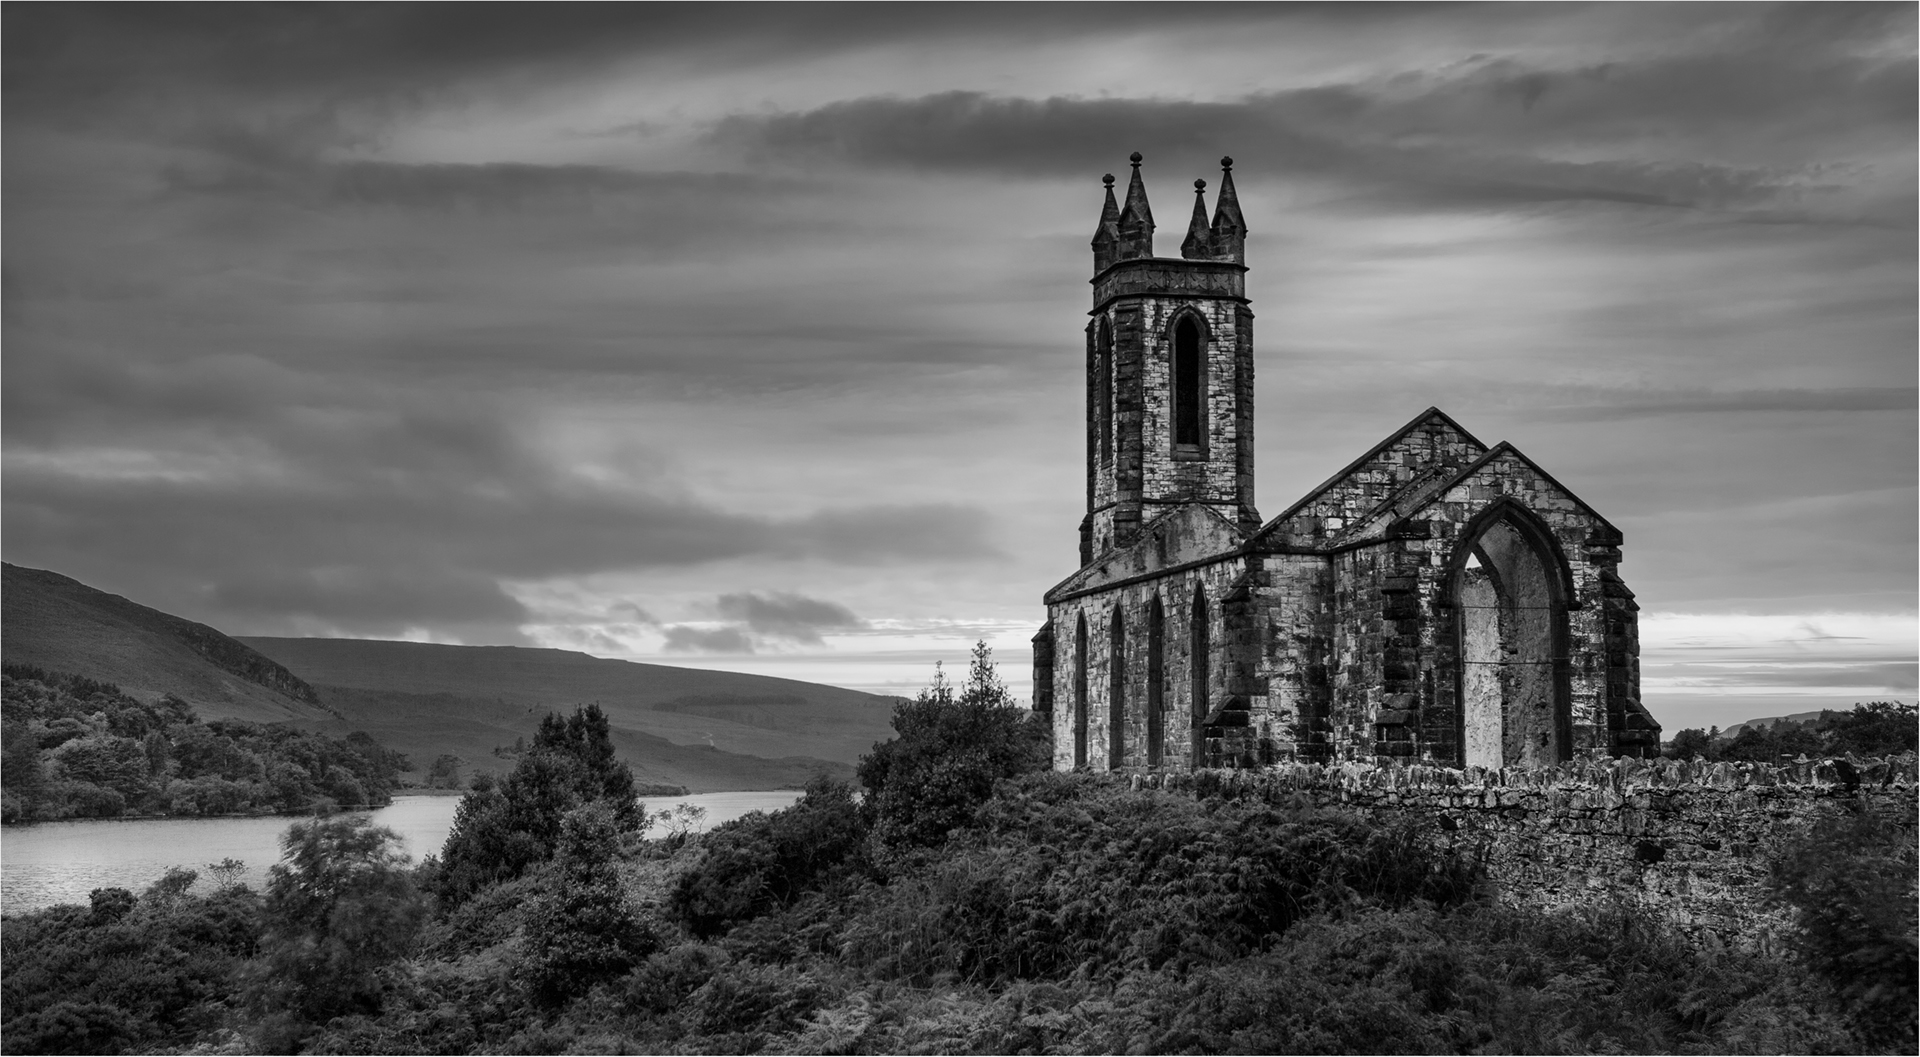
{"x":970,"y":901}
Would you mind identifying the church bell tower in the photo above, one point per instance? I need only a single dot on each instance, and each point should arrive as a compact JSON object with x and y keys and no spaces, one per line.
{"x":1169,"y":369}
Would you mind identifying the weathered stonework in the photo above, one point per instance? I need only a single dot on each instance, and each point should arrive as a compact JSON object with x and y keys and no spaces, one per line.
{"x":1691,"y":841}
{"x":1438,"y":601}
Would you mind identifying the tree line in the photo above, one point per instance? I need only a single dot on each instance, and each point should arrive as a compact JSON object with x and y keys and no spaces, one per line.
{"x":72,"y":747}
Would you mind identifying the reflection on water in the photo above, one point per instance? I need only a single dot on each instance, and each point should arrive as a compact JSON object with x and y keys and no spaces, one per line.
{"x":61,"y":862}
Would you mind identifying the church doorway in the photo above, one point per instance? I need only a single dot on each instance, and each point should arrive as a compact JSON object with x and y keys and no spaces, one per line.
{"x":1511,"y":618}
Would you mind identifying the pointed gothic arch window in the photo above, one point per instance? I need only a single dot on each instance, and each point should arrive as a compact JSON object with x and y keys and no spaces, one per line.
{"x":1080,"y":693}
{"x":1189,"y":382}
{"x":1156,"y":681}
{"x":1103,"y":361}
{"x":1509,"y":600}
{"x":1198,"y":649}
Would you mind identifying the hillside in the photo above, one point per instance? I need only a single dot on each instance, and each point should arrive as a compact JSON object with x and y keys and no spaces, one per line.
{"x":57,"y":623}
{"x":680,"y":725}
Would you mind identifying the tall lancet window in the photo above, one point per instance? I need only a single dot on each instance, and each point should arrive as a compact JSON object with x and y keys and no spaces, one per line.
{"x":1156,"y":680}
{"x":1103,"y":364}
{"x":1117,"y":694}
{"x":1187,"y":383}
{"x":1080,"y":693}
{"x":1199,"y":651}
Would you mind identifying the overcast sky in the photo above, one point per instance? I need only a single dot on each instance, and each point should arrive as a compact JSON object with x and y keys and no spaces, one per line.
{"x":752,"y":337}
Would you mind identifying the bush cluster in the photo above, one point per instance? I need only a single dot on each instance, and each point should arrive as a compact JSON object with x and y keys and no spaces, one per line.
{"x":1880,"y":728}
{"x":74,"y":747}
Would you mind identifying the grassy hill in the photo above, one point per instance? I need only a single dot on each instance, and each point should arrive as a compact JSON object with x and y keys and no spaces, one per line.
{"x":680,"y":725}
{"x":705,"y":730}
{"x":60,"y":624}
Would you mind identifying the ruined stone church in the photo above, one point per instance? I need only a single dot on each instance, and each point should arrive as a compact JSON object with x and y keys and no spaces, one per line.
{"x":1439,"y":600}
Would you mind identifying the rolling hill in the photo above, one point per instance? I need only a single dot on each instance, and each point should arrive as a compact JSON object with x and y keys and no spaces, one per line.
{"x":60,"y":624}
{"x":679,"y":725}
{"x":705,"y":730}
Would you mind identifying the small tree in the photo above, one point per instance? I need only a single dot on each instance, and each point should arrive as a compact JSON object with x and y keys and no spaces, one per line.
{"x":584,"y":930}
{"x":340,"y":905}
{"x":1689,"y":744}
{"x":501,"y":830}
{"x":947,"y":754}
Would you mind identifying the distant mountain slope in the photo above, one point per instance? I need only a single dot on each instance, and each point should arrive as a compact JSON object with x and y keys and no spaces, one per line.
{"x":1768,"y":721}
{"x":510,"y":687}
{"x":60,"y":624}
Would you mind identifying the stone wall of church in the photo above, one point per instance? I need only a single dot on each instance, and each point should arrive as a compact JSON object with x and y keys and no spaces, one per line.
{"x":1294,"y":603}
{"x":1134,"y":601}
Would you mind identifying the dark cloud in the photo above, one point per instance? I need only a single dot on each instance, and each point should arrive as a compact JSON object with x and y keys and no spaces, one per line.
{"x":684,"y":639}
{"x":632,"y":611}
{"x":375,"y":513}
{"x":788,"y":616}
{"x":1492,"y":131}
{"x":1270,"y":136}
{"x":80,"y":53}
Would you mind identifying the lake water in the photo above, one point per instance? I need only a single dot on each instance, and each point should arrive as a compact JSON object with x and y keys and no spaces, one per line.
{"x":61,"y":862}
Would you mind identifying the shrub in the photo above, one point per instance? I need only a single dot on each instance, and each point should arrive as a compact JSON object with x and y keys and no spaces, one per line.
{"x":124,"y":974}
{"x":946,"y":755}
{"x":584,"y":930}
{"x":1066,"y":872}
{"x":1851,"y":883}
{"x":500,"y":831}
{"x":754,"y":864}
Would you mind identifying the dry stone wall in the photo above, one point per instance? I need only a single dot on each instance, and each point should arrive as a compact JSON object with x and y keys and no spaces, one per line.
{"x":1690,"y":840}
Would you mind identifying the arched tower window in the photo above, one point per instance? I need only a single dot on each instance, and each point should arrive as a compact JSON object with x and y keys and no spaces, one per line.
{"x":1200,"y":647}
{"x":1080,"y":693}
{"x":1188,"y":381}
{"x":1156,"y":681}
{"x":1117,"y":694}
{"x":1104,"y":365}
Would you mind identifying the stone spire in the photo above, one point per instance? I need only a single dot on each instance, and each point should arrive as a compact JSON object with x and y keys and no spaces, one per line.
{"x":1136,"y":217}
{"x":1229,"y":235}
{"x":1199,"y":244}
{"x":1106,"y":237}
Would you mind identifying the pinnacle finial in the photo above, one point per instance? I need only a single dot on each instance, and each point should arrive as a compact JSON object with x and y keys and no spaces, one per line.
{"x":1229,"y":230}
{"x":1134,"y":158}
{"x":1107,"y":179}
{"x":1199,"y":243}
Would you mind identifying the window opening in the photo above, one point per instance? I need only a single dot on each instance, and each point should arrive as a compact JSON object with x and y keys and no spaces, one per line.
{"x":1156,"y":681}
{"x":1104,"y":365}
{"x":1199,"y":651}
{"x":1080,"y":693}
{"x":1186,"y":383}
{"x":1117,"y":695}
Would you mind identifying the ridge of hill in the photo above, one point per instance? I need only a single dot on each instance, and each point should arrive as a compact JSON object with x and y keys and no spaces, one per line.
{"x":59,"y":624}
{"x":415,"y":695}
